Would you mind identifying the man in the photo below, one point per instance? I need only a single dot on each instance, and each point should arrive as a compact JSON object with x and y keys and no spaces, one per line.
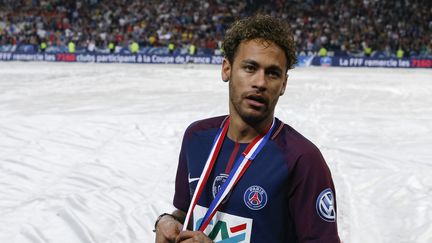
{"x":248,"y":177}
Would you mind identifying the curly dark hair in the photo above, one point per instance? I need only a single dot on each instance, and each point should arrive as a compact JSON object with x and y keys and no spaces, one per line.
{"x":260,"y":27}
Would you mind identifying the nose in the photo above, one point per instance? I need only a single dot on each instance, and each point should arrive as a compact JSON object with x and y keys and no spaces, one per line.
{"x":259,"y":81}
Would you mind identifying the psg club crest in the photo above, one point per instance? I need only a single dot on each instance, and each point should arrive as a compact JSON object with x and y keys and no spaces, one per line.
{"x":255,"y":197}
{"x":325,"y":205}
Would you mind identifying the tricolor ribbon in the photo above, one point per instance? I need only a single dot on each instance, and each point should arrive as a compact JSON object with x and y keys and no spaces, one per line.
{"x":236,"y":173}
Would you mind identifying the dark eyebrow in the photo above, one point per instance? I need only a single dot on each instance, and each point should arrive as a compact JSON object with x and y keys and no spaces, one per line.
{"x":272,"y":67}
{"x":250,"y":61}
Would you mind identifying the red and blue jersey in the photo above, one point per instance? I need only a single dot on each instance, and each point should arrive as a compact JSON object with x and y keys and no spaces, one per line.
{"x":286,"y":194}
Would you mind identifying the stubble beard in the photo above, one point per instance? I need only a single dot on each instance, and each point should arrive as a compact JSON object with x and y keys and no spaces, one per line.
{"x":248,"y":117}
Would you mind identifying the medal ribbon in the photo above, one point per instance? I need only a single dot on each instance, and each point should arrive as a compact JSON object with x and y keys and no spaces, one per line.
{"x":217,"y":144}
{"x":238,"y":170}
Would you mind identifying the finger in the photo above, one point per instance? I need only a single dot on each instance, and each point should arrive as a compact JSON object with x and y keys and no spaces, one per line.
{"x":167,"y":231}
{"x":184,"y":235}
{"x":192,"y":236}
{"x":170,"y":229}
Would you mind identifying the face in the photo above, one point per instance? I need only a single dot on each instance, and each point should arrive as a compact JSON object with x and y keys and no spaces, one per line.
{"x":257,"y":77}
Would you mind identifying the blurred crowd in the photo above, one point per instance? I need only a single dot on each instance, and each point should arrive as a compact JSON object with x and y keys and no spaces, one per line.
{"x":339,"y":27}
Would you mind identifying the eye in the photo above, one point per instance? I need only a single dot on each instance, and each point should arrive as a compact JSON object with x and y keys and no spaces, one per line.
{"x":249,"y":68}
{"x":274,"y":74}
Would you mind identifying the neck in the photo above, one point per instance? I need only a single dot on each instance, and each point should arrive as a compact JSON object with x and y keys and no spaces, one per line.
{"x":243,"y":132}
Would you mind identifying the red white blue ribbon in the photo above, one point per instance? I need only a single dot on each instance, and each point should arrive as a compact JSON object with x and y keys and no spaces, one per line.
{"x":236,"y":173}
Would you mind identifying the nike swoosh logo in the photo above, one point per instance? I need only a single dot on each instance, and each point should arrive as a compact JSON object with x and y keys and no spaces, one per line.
{"x":192,"y":179}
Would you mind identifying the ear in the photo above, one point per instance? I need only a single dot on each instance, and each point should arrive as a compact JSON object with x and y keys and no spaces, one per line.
{"x":226,"y":70}
{"x":284,"y":85}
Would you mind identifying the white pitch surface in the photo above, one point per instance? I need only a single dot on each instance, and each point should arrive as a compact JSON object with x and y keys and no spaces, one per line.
{"x":88,"y":152}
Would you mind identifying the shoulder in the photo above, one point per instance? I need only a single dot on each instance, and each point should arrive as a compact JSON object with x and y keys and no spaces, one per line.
{"x":204,"y":126}
{"x":299,"y":152}
{"x":291,"y":141}
{"x":307,"y":168}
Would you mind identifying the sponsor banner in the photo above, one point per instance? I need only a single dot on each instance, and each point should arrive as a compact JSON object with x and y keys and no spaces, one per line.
{"x":11,"y":56}
{"x":302,"y":61}
{"x":112,"y":58}
{"x":372,"y":62}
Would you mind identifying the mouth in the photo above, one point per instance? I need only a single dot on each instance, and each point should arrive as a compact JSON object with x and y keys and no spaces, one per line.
{"x":255,"y":100}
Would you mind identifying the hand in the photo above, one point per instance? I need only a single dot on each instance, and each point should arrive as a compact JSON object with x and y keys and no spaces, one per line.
{"x":167,"y":229}
{"x":192,"y":236}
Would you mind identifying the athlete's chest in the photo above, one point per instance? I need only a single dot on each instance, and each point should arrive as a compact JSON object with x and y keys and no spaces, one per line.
{"x":262,"y":185}
{"x":258,"y":196}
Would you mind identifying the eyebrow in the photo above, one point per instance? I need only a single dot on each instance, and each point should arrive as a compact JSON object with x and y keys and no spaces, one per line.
{"x":271,"y":67}
{"x":250,"y":61}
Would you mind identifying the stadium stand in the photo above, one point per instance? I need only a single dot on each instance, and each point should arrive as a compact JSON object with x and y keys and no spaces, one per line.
{"x":376,"y":28}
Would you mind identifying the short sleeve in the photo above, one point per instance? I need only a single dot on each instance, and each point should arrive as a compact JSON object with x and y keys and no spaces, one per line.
{"x":312,"y":198}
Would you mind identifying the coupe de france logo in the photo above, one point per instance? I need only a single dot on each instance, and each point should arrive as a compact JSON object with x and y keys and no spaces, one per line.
{"x":255,"y":197}
{"x":218,"y":183}
{"x":325,"y":206}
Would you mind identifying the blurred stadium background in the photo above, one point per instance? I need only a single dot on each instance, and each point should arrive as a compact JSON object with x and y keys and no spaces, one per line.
{"x":371,"y":28}
{"x":88,"y":151}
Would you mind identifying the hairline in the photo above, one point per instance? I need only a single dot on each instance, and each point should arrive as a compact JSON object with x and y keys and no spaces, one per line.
{"x":262,"y":41}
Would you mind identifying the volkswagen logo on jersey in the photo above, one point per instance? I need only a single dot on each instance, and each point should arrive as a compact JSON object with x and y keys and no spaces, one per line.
{"x":255,"y":197}
{"x":325,"y":206}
